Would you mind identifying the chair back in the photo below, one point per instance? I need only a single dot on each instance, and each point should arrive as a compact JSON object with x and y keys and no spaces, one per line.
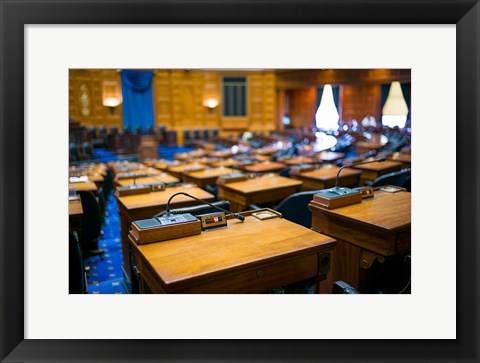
{"x":91,"y":220}
{"x":205,"y":134}
{"x":73,"y":152}
{"x":103,"y":131}
{"x":295,"y":208}
{"x":285,"y":172}
{"x":398,"y":178}
{"x":76,"y":268}
{"x":107,"y":184}
{"x":93,"y":132}
{"x":215,"y":132}
{"x":88,"y":150}
{"x":196,"y":134}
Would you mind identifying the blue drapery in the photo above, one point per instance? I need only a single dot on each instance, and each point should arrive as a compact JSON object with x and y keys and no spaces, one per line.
{"x":137,"y":100}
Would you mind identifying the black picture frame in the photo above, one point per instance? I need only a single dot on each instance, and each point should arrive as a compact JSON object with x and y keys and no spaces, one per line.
{"x":15,"y":14}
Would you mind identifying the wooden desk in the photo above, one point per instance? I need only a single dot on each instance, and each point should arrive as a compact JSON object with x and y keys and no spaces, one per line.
{"x":249,"y":257}
{"x":405,"y":159}
{"x":227,"y":153}
{"x":263,"y":189}
{"x":374,"y":229}
{"x":373,"y":170}
{"x":226,"y":163}
{"x":179,"y":170}
{"x":75,"y":212}
{"x":328,"y":156}
{"x":375,"y":142}
{"x":190,"y":155}
{"x":326,"y":176}
{"x":84,"y":186}
{"x":143,"y":206}
{"x":164,"y":165}
{"x":206,"y":177}
{"x":265,"y":167}
{"x":297,"y":160}
{"x":162,"y":177}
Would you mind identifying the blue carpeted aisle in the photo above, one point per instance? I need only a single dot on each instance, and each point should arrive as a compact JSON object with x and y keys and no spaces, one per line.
{"x":106,"y":277}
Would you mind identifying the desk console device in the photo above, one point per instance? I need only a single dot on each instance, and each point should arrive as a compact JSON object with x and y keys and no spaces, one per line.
{"x":164,"y":228}
{"x":337,"y":197}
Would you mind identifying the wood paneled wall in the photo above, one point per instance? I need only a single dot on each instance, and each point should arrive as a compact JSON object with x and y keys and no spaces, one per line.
{"x":179,"y":97}
{"x":357,"y":101}
{"x":86,"y":88}
{"x":301,"y":108}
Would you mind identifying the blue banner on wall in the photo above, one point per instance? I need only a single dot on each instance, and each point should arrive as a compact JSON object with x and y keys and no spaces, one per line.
{"x":137,"y":100}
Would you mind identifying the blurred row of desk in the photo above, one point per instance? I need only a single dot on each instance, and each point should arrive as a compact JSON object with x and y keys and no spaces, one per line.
{"x":257,"y":255}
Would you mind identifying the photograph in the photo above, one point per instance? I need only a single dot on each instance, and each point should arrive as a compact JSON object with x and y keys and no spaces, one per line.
{"x":277,"y":181}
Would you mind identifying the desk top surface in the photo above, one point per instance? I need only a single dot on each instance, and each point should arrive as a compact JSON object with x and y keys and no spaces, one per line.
{"x":329,"y":156}
{"x":153,"y":199}
{"x":378,"y":165}
{"x":328,"y":173}
{"x":404,"y":158}
{"x":389,"y":211}
{"x":191,"y":155}
{"x":225,"y":162}
{"x":162,"y":177}
{"x":261,"y":184}
{"x":297,"y":160}
{"x":242,"y":244}
{"x":75,"y":208}
{"x":209,"y":173}
{"x":84,"y":186}
{"x":186,"y":168}
{"x":264,"y":167}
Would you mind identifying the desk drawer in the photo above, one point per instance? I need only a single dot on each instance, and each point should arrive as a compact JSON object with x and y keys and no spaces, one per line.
{"x":261,"y":278}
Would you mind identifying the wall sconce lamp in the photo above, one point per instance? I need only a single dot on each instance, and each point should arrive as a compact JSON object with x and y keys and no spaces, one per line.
{"x":111,"y":103}
{"x":112,"y":94}
{"x":395,"y":110}
{"x":211,"y":103}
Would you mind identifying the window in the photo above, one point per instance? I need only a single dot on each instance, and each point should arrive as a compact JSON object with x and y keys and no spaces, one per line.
{"x":234,"y":96}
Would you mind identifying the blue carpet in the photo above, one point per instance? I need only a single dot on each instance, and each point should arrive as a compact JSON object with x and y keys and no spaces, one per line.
{"x":167,"y":153}
{"x":106,"y":277}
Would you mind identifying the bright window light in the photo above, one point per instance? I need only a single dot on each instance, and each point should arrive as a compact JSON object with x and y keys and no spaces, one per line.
{"x":327,"y":115}
{"x":394,"y":121}
{"x":395,"y":110}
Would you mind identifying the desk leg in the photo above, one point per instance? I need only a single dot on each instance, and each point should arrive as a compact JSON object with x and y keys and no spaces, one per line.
{"x":126,"y":253}
{"x":346,"y":262}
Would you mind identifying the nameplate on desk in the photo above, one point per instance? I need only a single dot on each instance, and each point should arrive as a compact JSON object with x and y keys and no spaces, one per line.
{"x":337,"y":197}
{"x":231,"y":178}
{"x":165,"y":228}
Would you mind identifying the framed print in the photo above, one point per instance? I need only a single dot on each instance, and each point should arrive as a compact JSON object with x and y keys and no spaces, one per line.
{"x":26,"y":24}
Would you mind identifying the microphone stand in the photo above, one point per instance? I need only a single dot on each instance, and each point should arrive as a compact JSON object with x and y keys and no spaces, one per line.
{"x":167,"y":209}
{"x":352,"y":165}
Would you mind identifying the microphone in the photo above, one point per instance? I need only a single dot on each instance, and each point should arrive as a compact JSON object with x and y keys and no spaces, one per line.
{"x":352,"y":165}
{"x":167,"y":209}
